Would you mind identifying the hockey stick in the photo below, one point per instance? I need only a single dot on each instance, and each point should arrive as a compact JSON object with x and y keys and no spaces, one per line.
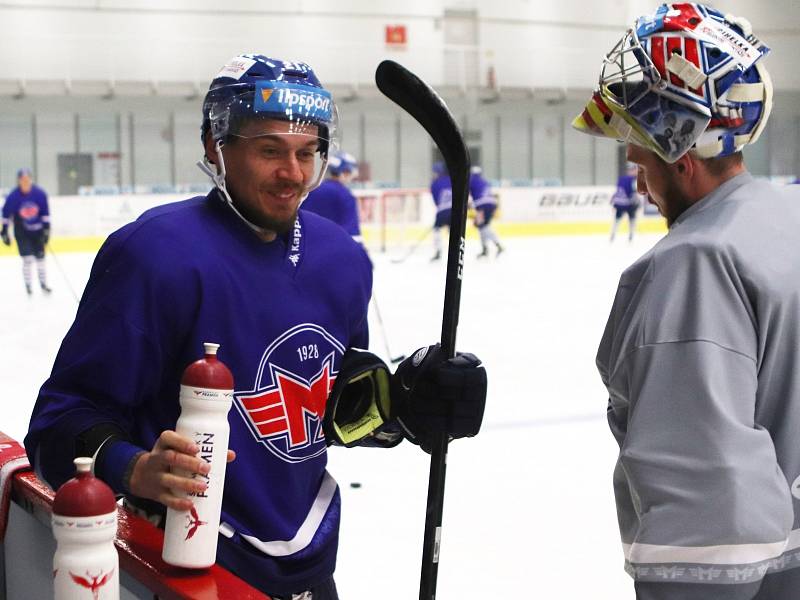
{"x":420,"y":101}
{"x":393,"y":360}
{"x":413,"y":248}
{"x":63,"y":272}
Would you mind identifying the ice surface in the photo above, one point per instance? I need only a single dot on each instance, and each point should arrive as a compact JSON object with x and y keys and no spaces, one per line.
{"x":529,"y":508}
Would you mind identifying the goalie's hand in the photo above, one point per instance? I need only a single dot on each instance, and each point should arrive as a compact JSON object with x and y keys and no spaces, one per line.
{"x":433,"y":395}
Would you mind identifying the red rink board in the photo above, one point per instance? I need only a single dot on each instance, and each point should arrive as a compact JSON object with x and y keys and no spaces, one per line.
{"x":139,"y":545}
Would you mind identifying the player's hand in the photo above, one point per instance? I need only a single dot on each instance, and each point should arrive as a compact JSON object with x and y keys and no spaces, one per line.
{"x":4,"y":236}
{"x":168,"y":468}
{"x":45,"y":236}
{"x":434,"y":395}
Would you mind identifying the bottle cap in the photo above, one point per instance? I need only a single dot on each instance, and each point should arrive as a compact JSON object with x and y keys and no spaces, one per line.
{"x":84,"y":495}
{"x":208,"y":372}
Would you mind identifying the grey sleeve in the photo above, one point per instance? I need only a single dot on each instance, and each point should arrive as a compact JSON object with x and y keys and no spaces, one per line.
{"x":701,"y":498}
{"x":649,"y":590}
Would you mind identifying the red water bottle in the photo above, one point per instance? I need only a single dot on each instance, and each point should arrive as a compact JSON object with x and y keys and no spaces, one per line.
{"x":84,"y":523}
{"x":190,"y":536}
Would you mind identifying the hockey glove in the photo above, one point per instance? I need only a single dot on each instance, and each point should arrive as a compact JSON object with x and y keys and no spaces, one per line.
{"x":358,"y":411}
{"x":45,"y":235}
{"x":433,"y":395}
{"x":4,"y":236}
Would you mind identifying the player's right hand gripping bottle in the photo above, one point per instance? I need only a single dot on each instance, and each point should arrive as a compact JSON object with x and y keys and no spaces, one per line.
{"x":84,"y":521}
{"x":190,"y":536}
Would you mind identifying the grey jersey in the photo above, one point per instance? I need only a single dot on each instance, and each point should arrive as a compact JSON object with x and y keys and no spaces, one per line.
{"x":701,"y":358}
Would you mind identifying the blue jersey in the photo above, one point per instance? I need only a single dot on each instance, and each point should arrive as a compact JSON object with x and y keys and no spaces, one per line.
{"x":334,"y":201}
{"x":625,"y":196}
{"x":442,"y":192}
{"x":481,"y":191}
{"x":283,"y":312}
{"x":29,"y":212}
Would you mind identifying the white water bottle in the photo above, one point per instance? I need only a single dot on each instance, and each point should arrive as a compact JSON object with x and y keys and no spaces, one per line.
{"x":190,"y":536}
{"x":84,"y":523}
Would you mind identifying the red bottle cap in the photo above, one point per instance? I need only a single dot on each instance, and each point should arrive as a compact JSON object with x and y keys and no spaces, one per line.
{"x":208,"y":372}
{"x":84,"y":495}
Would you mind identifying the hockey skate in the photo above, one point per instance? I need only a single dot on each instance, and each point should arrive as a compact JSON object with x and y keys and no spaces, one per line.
{"x":29,"y":289}
{"x":45,"y":289}
{"x":436,"y":256}
{"x":484,"y":253}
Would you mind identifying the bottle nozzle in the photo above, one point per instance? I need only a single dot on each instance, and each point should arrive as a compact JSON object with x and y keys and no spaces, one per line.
{"x":83,"y":464}
{"x":210,"y":348}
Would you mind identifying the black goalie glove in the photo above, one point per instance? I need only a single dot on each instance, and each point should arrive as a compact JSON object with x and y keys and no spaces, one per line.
{"x":432,"y":394}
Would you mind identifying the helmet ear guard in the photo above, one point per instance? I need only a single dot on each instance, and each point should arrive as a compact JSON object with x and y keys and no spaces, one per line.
{"x":683,"y":78}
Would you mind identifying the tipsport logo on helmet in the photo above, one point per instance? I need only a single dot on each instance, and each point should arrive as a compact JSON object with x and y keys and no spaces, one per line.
{"x":285,"y":408}
{"x":291,"y":99}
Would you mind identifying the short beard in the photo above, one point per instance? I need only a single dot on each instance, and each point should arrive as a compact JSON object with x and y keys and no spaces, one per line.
{"x":267,"y":223}
{"x":675,"y":200}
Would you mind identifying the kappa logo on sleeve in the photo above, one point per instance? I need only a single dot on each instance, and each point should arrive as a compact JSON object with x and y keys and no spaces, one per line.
{"x":285,"y":408}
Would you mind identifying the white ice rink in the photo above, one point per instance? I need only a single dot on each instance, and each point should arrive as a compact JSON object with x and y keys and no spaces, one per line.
{"x":529,"y":510}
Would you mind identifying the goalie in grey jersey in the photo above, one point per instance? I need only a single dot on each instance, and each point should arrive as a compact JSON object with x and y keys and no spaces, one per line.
{"x":701,"y":352}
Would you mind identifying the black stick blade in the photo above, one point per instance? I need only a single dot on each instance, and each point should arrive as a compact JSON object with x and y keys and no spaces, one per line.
{"x":422,"y":102}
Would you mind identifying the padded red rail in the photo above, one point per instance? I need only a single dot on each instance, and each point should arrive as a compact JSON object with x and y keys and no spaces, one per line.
{"x":139,"y":545}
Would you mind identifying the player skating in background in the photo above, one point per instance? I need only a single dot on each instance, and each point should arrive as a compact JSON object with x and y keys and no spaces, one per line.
{"x":485,"y":205}
{"x":333,"y":199}
{"x":27,"y":207}
{"x":285,"y":294}
{"x":625,"y":201}
{"x":700,"y":352}
{"x":442,"y":193}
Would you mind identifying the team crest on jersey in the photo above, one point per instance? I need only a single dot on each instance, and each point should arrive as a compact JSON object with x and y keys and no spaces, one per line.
{"x":29,"y":211}
{"x":285,"y":407}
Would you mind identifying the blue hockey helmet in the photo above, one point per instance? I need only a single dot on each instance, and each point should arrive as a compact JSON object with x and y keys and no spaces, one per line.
{"x":439,"y":168}
{"x":253,"y":86}
{"x":342,"y":162}
{"x":687,"y":77}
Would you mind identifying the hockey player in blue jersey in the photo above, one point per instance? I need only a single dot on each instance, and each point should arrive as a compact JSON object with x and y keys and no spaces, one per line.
{"x":285,"y":294}
{"x":333,"y":199}
{"x":442,"y":193}
{"x":625,"y":201}
{"x":485,"y":205}
{"x":26,"y":206}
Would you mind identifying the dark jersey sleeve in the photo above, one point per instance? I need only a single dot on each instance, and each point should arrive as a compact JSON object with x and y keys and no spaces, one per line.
{"x":114,"y":358}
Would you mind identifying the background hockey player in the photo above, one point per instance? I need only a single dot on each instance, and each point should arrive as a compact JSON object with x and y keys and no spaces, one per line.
{"x":625,"y":201}
{"x":700,"y":353}
{"x":26,"y":206}
{"x":442,"y":193}
{"x":333,"y":199}
{"x":285,"y":294}
{"x":485,"y":205}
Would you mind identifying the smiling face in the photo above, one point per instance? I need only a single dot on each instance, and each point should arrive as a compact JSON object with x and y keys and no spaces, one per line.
{"x":269,"y":166}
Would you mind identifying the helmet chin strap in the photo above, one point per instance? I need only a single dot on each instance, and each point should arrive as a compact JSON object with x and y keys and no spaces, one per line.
{"x":217,"y":175}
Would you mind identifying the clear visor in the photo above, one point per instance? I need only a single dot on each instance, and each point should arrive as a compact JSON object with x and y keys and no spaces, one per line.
{"x":289,"y":123}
